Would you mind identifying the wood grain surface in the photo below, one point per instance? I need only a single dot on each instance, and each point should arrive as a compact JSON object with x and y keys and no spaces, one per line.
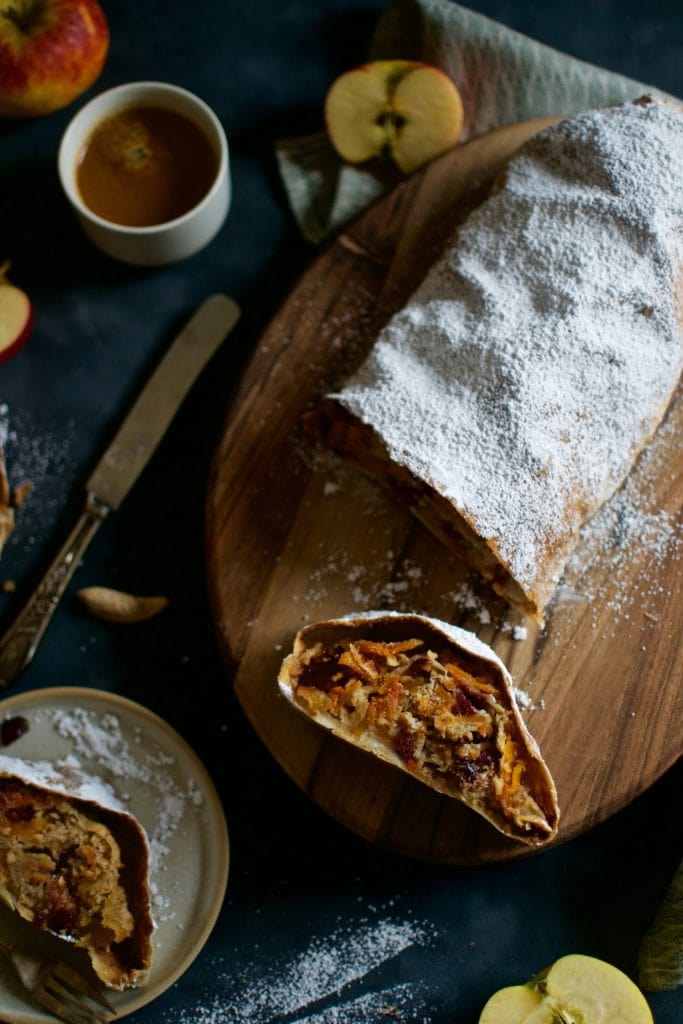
{"x":294,"y":535}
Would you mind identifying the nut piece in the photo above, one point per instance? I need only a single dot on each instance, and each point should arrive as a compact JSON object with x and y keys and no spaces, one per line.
{"x":115,"y":606}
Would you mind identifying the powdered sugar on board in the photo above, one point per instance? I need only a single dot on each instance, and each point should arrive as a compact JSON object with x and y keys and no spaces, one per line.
{"x":319,"y":983}
{"x":543,"y":348}
{"x":632,"y":528}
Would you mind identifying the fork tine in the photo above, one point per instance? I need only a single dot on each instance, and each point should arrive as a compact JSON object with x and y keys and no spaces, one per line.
{"x":67,"y":1003}
{"x":73,"y":978}
{"x":63,"y":1012}
{"x":60,"y":988}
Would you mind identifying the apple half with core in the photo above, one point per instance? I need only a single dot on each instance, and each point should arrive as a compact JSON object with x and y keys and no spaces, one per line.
{"x":577,"y":989}
{"x":406,"y":109}
{"x":16,"y":316}
{"x":50,"y":52}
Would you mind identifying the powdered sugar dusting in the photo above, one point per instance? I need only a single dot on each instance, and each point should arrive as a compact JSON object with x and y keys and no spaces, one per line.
{"x":631,"y":530}
{"x":539,"y":351}
{"x":4,"y":423}
{"x":316,"y":984}
{"x":43,"y":458}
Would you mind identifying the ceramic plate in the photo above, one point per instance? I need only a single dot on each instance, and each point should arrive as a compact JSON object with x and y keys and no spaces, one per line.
{"x":161,"y":781}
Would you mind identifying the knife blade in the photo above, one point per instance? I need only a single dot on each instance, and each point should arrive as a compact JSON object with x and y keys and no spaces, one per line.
{"x":118,"y":468}
{"x":152,"y":412}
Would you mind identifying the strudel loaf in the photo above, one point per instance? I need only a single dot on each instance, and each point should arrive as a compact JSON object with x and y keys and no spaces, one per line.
{"x":509,"y":398}
{"x":433,"y":700}
{"x":75,"y":863}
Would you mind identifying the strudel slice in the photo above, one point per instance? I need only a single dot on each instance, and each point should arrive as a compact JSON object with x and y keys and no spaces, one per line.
{"x":432,"y":700}
{"x":74,"y":863}
{"x":511,"y":395}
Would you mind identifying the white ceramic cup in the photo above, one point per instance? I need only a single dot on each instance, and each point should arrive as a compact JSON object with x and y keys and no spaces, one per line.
{"x":159,"y":243}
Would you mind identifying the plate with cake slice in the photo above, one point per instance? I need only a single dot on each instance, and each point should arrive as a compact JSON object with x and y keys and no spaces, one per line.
{"x":468,"y":409}
{"x":114,"y":850}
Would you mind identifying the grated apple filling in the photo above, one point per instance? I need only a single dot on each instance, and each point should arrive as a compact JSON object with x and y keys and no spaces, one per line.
{"x":440,"y":719}
{"x":61,"y":870}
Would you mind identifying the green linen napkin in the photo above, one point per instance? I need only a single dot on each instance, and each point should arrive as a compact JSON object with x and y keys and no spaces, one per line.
{"x":503,"y":76}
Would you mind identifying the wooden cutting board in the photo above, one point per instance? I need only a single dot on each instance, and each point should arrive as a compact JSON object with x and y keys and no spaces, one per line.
{"x":294,"y":535}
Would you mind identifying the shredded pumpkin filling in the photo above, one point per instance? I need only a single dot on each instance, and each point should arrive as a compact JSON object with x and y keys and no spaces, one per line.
{"x":440,"y":718}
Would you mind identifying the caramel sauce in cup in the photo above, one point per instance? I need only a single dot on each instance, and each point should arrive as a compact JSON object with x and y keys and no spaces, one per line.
{"x":145,"y":167}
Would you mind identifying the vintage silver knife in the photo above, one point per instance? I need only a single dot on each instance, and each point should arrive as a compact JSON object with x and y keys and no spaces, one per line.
{"x":119,"y":468}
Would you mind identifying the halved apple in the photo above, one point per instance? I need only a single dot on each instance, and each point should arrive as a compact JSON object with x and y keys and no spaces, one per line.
{"x":406,"y":109}
{"x":577,"y":989}
{"x":516,"y":1004}
{"x":16,"y":316}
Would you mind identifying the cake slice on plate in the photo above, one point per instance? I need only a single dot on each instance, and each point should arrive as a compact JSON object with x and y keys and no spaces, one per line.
{"x":73,"y":862}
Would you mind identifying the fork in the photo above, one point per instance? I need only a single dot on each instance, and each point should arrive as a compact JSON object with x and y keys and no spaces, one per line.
{"x":60,"y":988}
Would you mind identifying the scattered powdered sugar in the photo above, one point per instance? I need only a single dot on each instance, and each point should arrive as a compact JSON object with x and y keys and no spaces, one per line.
{"x":463,"y":596}
{"x":540,"y":350}
{"x":4,"y":424}
{"x":100,"y":739}
{"x":43,"y":459}
{"x":526,"y":701}
{"x":523,"y":698}
{"x":317,"y":985}
{"x":632,"y":529}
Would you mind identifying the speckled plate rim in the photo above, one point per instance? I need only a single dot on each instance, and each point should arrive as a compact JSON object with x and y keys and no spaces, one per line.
{"x":134,"y":999}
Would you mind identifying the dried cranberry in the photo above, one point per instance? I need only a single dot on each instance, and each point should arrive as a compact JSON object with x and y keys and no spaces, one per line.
{"x":61,"y":919}
{"x":12,"y":729}
{"x":489,"y":757}
{"x":404,"y":745}
{"x":324,"y":672}
{"x":462,"y":704}
{"x":25,"y":812}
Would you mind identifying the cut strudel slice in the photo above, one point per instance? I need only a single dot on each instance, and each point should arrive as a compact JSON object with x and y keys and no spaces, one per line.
{"x":433,"y":700}
{"x":74,"y":863}
{"x":511,"y":395}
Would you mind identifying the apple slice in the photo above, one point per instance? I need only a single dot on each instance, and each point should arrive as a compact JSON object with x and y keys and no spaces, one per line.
{"x":16,"y":316}
{"x":428,"y":117}
{"x":407,"y":109}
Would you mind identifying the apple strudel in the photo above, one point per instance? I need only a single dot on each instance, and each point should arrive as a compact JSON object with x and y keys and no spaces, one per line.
{"x":511,"y":395}
{"x":74,"y":863}
{"x":433,"y":700}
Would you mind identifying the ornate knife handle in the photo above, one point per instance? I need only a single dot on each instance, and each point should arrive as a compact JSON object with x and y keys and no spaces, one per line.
{"x":19,"y":643}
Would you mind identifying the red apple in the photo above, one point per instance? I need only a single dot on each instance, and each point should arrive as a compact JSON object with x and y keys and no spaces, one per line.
{"x":50,"y":52}
{"x":16,"y":317}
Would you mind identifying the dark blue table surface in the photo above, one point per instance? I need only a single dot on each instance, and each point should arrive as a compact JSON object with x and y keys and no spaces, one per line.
{"x":299,"y":883}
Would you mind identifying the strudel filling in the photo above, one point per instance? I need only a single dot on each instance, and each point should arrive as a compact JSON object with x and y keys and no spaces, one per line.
{"x":442,"y":715}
